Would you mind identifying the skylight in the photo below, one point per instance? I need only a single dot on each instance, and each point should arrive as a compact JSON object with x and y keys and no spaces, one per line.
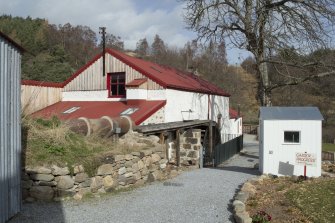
{"x":71,"y":110}
{"x":129,"y":111}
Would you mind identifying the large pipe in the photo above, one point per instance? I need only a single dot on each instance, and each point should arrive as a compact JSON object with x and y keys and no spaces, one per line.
{"x":104,"y":127}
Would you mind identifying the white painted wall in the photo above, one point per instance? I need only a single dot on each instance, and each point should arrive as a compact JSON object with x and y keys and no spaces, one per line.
{"x":137,"y":94}
{"x":180,"y":103}
{"x":154,"y":95}
{"x":88,"y":96}
{"x":236,"y":126}
{"x":272,"y":141}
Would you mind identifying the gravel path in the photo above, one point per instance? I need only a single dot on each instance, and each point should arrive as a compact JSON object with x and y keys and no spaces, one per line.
{"x":201,"y":195}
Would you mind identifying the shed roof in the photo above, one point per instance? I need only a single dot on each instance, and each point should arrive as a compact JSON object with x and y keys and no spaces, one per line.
{"x":290,"y":113}
{"x":67,"y":110}
{"x":19,"y":47}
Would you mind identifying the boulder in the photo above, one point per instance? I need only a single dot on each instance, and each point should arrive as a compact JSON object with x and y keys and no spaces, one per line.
{"x":138,"y":154}
{"x":128,"y":164}
{"x":122,"y":170}
{"x":26,"y":184}
{"x":78,"y":169}
{"x":140,"y":165}
{"x":45,"y":193}
{"x":155,"y":158}
{"x":42,"y":177}
{"x":38,"y":169}
{"x":97,"y":183}
{"x":148,"y":161}
{"x":109,"y":183}
{"x":135,"y":167}
{"x":146,"y":152}
{"x":129,"y":157}
{"x":47,"y":183}
{"x":105,"y":169}
{"x":137,"y":176}
{"x":58,"y":171}
{"x":64,"y":182}
{"x":80,"y":177}
{"x":86,"y":183}
{"x":156,"y":175}
{"x":118,"y":158}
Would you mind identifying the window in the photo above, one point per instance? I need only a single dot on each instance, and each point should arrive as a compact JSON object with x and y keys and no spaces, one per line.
{"x":116,"y":83}
{"x":291,"y":137}
{"x":71,"y":110}
{"x":129,"y":111}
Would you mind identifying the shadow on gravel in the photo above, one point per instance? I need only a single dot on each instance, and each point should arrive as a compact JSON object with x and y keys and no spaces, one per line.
{"x":251,"y":144}
{"x":249,"y":156}
{"x":238,"y":169}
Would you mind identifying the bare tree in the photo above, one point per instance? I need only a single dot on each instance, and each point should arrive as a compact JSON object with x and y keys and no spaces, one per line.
{"x":264,"y":26}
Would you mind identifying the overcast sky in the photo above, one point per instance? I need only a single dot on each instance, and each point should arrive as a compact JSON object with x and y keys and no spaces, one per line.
{"x":129,"y":19}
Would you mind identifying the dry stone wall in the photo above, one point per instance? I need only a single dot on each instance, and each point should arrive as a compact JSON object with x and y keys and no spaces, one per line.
{"x":122,"y":171}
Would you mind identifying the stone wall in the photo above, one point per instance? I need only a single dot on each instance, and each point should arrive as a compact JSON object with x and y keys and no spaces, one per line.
{"x":121,"y":171}
{"x":189,"y":144}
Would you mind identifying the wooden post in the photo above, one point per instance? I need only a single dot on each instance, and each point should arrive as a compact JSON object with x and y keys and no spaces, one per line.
{"x":178,"y":147}
{"x":210,"y":142}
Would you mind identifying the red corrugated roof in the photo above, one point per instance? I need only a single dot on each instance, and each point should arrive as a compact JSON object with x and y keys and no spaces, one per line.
{"x":169,"y":77}
{"x":233,"y":114}
{"x":136,"y":82}
{"x":165,"y":76}
{"x":94,"y":109}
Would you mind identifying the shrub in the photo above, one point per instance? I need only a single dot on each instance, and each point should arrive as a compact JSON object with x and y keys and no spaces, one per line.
{"x":261,"y":217}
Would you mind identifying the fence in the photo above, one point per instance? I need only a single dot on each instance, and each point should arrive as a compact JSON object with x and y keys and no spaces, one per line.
{"x":10,"y":129}
{"x":328,"y":156}
{"x":249,"y":129}
{"x":227,"y":137}
{"x":225,"y":151}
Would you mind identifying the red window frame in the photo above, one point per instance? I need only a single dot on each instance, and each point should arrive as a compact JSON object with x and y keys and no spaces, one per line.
{"x":119,"y":80}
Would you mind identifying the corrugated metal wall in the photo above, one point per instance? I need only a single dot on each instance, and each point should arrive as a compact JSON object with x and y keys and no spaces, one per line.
{"x":10,"y":130}
{"x":91,"y":78}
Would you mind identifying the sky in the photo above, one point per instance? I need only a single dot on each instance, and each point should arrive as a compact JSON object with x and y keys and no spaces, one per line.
{"x":130,"y":19}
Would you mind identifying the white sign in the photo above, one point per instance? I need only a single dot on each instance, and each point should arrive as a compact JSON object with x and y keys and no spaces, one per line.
{"x":308,"y":159}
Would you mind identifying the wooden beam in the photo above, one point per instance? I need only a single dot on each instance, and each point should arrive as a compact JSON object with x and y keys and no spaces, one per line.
{"x":178,"y":148}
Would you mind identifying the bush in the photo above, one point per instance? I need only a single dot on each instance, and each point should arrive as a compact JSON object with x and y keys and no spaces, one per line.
{"x":261,"y":217}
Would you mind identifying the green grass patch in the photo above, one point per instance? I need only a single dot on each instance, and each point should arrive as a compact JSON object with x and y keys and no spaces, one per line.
{"x":47,"y":142}
{"x":315,"y":200}
{"x":328,"y":147}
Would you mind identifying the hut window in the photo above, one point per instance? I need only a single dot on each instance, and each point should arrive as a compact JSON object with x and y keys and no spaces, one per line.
{"x":291,"y":137}
{"x":116,"y":85}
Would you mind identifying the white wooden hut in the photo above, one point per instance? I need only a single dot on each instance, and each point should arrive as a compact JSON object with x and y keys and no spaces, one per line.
{"x":290,"y":138}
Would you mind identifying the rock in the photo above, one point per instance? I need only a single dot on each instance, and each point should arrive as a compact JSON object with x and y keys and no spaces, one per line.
{"x":242,"y":196}
{"x":138,"y":154}
{"x":155,"y":158}
{"x":38,"y":170}
{"x":45,"y":183}
{"x":80,"y":177}
{"x":239,"y":206}
{"x":64,"y":182}
{"x":128,"y":157}
{"x":78,"y":196}
{"x":42,"y":177}
{"x":192,"y":154}
{"x":101,"y":191}
{"x":25,"y":194}
{"x":105,"y":169}
{"x":136,"y":159}
{"x":137,"y":176}
{"x":108,"y":182}
{"x":154,"y":138}
{"x":156,"y":175}
{"x":163,"y":161}
{"x":86,"y":183}
{"x":30,"y":199}
{"x":140,"y":182}
{"x":249,"y":188}
{"x":78,"y":169}
{"x":119,"y":158}
{"x":129,"y":174}
{"x":146,"y":152}
{"x":153,"y":167}
{"x":124,"y":180}
{"x":96,"y":184}
{"x":162,"y":166}
{"x":26,"y":184}
{"x":24,"y":176}
{"x":84,"y":191}
{"x":242,"y":217}
{"x":45,"y":193}
{"x":140,"y":165}
{"x":144,"y":171}
{"x":57,"y":171}
{"x":66,"y":193}
{"x":122,"y":170}
{"x":128,"y":164}
{"x":148,"y":161}
{"x":135,"y":167}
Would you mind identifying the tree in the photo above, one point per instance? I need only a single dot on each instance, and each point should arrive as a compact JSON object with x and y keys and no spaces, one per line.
{"x":265,"y":26}
{"x":142,"y":47}
{"x":114,"y":42}
{"x":158,"y":49}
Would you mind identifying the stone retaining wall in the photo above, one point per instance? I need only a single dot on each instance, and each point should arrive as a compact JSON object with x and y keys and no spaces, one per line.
{"x":121,"y":171}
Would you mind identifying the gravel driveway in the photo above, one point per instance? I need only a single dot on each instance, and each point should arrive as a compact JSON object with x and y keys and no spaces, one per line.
{"x":201,"y":195}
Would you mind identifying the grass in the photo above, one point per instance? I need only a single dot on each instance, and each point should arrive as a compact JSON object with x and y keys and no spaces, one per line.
{"x":47,"y":142}
{"x":328,"y":147}
{"x":315,"y":200}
